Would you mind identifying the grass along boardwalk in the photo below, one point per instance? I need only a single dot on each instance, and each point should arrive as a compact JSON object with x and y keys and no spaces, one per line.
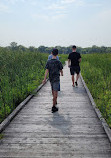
{"x":73,"y":132}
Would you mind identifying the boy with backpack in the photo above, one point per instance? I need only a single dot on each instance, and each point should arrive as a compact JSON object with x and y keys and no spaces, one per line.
{"x":54,"y":67}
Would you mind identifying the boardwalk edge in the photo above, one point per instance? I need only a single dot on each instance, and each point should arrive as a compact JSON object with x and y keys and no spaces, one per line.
{"x":103,"y":121}
{"x":6,"y":122}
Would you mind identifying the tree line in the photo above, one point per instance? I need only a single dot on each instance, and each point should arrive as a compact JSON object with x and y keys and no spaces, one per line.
{"x":62,"y":50}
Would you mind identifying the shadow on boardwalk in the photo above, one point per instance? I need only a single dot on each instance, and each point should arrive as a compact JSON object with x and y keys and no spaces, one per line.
{"x":58,"y":120}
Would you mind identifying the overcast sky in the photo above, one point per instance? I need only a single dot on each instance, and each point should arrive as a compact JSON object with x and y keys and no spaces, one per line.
{"x":55,"y":22}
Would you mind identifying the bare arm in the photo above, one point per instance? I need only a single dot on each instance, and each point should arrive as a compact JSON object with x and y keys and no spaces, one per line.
{"x":46,"y":73}
{"x":61,"y":71}
{"x":79,"y":60}
{"x":69,"y":62}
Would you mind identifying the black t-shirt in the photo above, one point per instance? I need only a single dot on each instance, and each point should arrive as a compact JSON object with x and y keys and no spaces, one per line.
{"x":54,"y":66}
{"x":74,"y":57}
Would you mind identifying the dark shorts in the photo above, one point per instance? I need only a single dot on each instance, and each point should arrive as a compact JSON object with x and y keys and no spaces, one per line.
{"x":75,"y":69}
{"x":55,"y":86}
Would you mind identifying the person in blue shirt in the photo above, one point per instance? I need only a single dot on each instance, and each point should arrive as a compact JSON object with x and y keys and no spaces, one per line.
{"x":50,"y":57}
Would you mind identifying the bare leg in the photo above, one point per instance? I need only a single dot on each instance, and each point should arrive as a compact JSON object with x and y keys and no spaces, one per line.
{"x":77,"y":77}
{"x":55,"y":94}
{"x":73,"y":80}
{"x":52,"y":93}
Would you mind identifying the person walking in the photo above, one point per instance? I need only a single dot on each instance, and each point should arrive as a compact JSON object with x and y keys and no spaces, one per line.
{"x":49,"y":58}
{"x":54,"y":67}
{"x":74,"y":59}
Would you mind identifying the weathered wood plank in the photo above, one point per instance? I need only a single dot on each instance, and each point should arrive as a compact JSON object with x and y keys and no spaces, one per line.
{"x":99,"y":141}
{"x":28,"y":154}
{"x":58,"y":121}
{"x":50,"y":148}
{"x":51,"y":135}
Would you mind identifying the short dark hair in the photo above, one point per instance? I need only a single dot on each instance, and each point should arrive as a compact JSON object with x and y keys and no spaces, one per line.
{"x":55,"y":52}
{"x":74,"y":47}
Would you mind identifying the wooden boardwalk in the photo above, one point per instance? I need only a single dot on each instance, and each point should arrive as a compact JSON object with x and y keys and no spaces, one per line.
{"x":73,"y":132}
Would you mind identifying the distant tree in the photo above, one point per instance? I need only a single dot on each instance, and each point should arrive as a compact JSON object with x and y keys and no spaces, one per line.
{"x":42,"y":49}
{"x":103,"y":49}
{"x":32,"y":48}
{"x":94,"y":49}
{"x":59,"y":49}
{"x":49,"y":50}
{"x":62,"y":50}
{"x":69,"y":50}
{"x":83,"y":51}
{"x":108,"y":50}
{"x":79,"y":49}
{"x":13,"y":45}
{"x":22,"y":48}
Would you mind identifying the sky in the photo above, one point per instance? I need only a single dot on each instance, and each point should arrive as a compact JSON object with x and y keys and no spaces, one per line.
{"x":55,"y":22}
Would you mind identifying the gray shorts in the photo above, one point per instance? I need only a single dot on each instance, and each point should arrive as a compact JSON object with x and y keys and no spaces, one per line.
{"x":55,"y":86}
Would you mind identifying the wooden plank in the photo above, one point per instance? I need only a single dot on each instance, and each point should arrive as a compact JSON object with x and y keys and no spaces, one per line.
{"x":29,"y":154}
{"x":60,"y":121}
{"x":50,"y":148}
{"x":97,"y":140}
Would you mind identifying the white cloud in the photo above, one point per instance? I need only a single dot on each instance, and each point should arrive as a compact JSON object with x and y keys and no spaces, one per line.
{"x":103,"y":22}
{"x":68,"y":1}
{"x":56,"y":7}
{"x":33,"y":3}
{"x":81,"y":3}
{"x":4,"y":8}
{"x":56,"y":11}
{"x":15,"y":1}
{"x":64,"y":4}
{"x":59,"y":16}
{"x":105,"y":15}
{"x":48,"y":17}
{"x":39,"y":16}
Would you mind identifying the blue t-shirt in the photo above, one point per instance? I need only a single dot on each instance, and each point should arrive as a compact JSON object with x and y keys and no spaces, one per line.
{"x":50,"y":57}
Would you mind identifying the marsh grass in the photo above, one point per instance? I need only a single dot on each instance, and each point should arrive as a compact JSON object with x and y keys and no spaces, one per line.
{"x":96,"y":71}
{"x":20,"y":74}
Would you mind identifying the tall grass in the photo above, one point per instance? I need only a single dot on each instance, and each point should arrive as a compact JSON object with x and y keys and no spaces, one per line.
{"x":96,"y":71}
{"x":63,"y":58}
{"x":20,"y":74}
